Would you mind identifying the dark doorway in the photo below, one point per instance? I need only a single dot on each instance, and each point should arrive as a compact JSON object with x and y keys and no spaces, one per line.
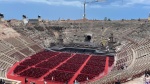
{"x":88,"y":38}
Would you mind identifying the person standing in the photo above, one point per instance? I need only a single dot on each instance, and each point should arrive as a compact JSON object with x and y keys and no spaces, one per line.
{"x":26,"y":80}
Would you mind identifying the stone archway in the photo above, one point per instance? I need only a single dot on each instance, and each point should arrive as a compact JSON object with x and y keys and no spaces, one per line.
{"x":88,"y":38}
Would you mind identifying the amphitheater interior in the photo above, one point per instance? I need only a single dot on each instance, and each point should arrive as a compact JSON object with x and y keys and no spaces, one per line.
{"x":74,"y":51}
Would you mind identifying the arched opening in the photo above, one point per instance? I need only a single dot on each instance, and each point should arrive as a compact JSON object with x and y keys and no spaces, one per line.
{"x":88,"y":38}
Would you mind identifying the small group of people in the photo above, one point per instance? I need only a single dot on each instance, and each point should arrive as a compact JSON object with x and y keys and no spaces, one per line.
{"x":124,"y":66}
{"x":2,"y":81}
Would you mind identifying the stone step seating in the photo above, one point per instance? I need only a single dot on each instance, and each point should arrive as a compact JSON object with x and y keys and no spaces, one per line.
{"x":15,"y":55}
{"x":4,"y":65}
{"x":26,"y":40}
{"x":7,"y":59}
{"x":141,"y":64}
{"x":16,"y":43}
{"x":26,"y":51}
{"x":36,"y":48}
{"x":4,"y":47}
{"x":2,"y":74}
{"x":3,"y":68}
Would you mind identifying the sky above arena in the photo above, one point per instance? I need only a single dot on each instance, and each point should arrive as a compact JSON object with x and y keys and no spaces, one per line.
{"x":73,"y":9}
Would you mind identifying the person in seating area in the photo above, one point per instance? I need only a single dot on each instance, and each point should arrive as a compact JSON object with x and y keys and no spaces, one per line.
{"x":118,"y":82}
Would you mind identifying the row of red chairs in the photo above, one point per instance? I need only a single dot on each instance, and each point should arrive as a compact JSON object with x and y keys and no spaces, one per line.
{"x":59,"y":76}
{"x":54,"y":61}
{"x":84,"y":77}
{"x":48,"y":60}
{"x":60,"y":57}
{"x":37,"y":58}
{"x":94,"y":66}
{"x":30,"y":62}
{"x":96,"y":57}
{"x":69,"y":67}
{"x":111,"y":58}
{"x":123,"y":60}
{"x":64,"y":55}
{"x":19,"y":68}
{"x":78,"y":59}
{"x":33,"y":60}
{"x":81,"y":55}
{"x":111,"y":61}
{"x":92,"y":70}
{"x":34,"y":72}
{"x":96,"y":62}
{"x":48,"y":64}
